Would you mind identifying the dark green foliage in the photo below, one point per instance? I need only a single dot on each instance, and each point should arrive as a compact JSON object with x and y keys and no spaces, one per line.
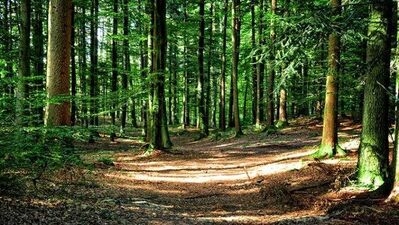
{"x":30,"y":152}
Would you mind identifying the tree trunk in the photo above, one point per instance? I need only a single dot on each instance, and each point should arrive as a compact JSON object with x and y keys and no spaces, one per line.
{"x":186,"y":96}
{"x":329,"y":141}
{"x":260,"y":67}
{"x":38,"y":47}
{"x":83,"y":67}
{"x":114,"y":80}
{"x":254,"y":62}
{"x":58,"y":59}
{"x":272,"y":74}
{"x":373,"y":151}
{"x":222,"y":110}
{"x":158,"y":123}
{"x":24,"y":63}
{"x":202,"y":77}
{"x":236,"y":14}
{"x":94,"y":63}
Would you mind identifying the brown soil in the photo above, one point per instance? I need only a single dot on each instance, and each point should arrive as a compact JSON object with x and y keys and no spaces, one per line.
{"x":254,"y":179}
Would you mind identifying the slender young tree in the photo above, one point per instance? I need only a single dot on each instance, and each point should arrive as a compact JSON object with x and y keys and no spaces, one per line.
{"x":126,"y":53}
{"x":260,"y":70}
{"x":114,"y":80}
{"x":253,"y":61}
{"x":24,"y":62}
{"x":38,"y":62}
{"x":394,"y":196}
{"x":94,"y":63}
{"x":158,"y":122}
{"x":186,"y":95}
{"x":83,"y":66}
{"x":272,"y":74}
{"x":373,"y":151}
{"x":236,"y":20}
{"x":58,"y":61}
{"x":202,"y":78}
{"x":329,"y":141}
{"x":222,"y":109}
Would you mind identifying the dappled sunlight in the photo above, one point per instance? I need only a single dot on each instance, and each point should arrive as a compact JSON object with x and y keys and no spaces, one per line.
{"x":225,"y":175}
{"x":259,"y":217}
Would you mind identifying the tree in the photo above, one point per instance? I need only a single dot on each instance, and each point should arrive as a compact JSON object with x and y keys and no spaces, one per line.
{"x":202,"y":78}
{"x":159,"y":137}
{"x":222,"y":106}
{"x":94,"y":63}
{"x":260,"y":70}
{"x":114,"y":80}
{"x":38,"y":62}
{"x":24,"y":62}
{"x":58,"y":62}
{"x":329,"y":143}
{"x":272,"y":74}
{"x":126,"y":63}
{"x":373,"y":152}
{"x":236,"y":19}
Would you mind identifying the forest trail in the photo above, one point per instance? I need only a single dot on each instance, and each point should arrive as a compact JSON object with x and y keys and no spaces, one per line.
{"x":255,"y":179}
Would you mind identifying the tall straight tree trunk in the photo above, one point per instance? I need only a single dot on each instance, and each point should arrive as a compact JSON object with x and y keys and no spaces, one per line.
{"x":7,"y":41}
{"x":222,"y":110}
{"x":175,"y":93}
{"x":373,"y":151}
{"x":38,"y":47}
{"x":272,"y":74}
{"x":394,"y":196}
{"x":329,"y":141}
{"x":253,"y":61}
{"x":260,"y":71}
{"x":73,"y":69}
{"x":94,"y":63}
{"x":186,"y":96}
{"x":159,"y":127}
{"x":126,"y":62}
{"x":210,"y":67}
{"x":58,"y":60}
{"x":202,"y":77}
{"x":114,"y":80}
{"x":24,"y":62}
{"x":236,"y":14}
{"x":83,"y":67}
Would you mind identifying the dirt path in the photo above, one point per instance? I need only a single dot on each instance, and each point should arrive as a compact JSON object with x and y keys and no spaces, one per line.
{"x":255,"y":179}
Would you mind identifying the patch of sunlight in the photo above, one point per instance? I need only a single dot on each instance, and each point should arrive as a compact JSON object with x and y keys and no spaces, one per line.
{"x":244,"y":173}
{"x":298,"y":216}
{"x":351,"y":144}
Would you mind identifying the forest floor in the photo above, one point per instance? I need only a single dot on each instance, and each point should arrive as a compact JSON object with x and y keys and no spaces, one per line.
{"x":258,"y":178}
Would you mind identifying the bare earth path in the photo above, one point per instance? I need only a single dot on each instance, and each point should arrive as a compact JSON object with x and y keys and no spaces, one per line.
{"x":255,"y":179}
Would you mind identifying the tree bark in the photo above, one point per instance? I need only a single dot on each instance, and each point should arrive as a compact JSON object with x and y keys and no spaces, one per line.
{"x":94,"y":63}
{"x":158,"y":123}
{"x":272,"y":74}
{"x":38,"y":48}
{"x":114,"y":80}
{"x":236,"y":14}
{"x":24,"y":63}
{"x":222,"y":110}
{"x":202,"y":77}
{"x":373,"y":151}
{"x":329,"y":141}
{"x":73,"y":69}
{"x":58,"y":62}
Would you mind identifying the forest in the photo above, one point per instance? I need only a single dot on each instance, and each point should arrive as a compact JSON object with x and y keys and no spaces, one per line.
{"x":199,"y":112}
